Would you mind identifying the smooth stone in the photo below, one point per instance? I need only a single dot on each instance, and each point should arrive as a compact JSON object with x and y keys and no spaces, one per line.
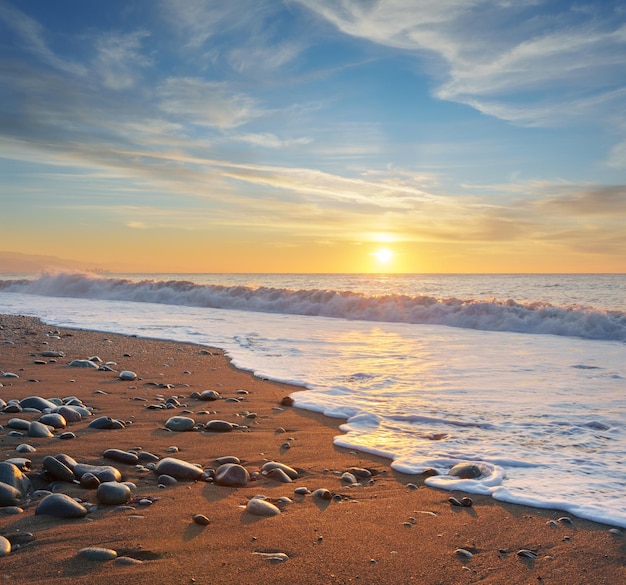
{"x":112,"y":493}
{"x":467,"y":470}
{"x":89,"y":481}
{"x":67,"y":435}
{"x":121,"y":456}
{"x":178,"y":469}
{"x":126,"y":561}
{"x":227,"y":459}
{"x":22,"y":463}
{"x":12,"y":510}
{"x":57,"y":469}
{"x":209,"y":395}
{"x":37,"y":429}
{"x":147,"y":456}
{"x":9,"y":495}
{"x":53,"y":420}
{"x":347,"y":478}
{"x":11,"y":475}
{"x":232,"y":475}
{"x":37,"y":402}
{"x":278,"y":474}
{"x":18,"y":423}
{"x":258,"y":507}
{"x":12,"y":408}
{"x":290,"y":471}
{"x":219,"y":426}
{"x":10,"y":375}
{"x":83,"y":364}
{"x":167,"y":480}
{"x":66,"y":460}
{"x":322,"y":493}
{"x":102,"y":472}
{"x":180,"y":423}
{"x":69,"y":413}
{"x":201,"y":519}
{"x":5,"y":546}
{"x":127,"y":375}
{"x":60,"y":506}
{"x":102,"y":422}
{"x":94,"y":553}
{"x":55,"y":354}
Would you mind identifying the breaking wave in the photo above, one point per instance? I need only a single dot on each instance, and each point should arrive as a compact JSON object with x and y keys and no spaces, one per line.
{"x":487,"y":315}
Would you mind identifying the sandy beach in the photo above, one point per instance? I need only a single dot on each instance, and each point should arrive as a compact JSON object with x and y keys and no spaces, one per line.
{"x":385,"y":528}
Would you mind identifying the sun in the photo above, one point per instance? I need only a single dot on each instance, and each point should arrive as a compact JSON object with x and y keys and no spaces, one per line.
{"x":383,"y":256}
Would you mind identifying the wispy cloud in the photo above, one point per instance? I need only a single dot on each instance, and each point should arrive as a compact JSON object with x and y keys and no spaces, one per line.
{"x":207,"y":103}
{"x":32,"y":34}
{"x":496,"y":52}
{"x":118,"y":56}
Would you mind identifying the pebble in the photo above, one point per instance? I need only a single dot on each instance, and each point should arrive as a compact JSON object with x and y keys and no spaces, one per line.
{"x":322,"y":493}
{"x":12,"y":476}
{"x":127,"y":561}
{"x":60,"y":506}
{"x":94,"y":553}
{"x":9,"y":495}
{"x":37,"y":402}
{"x":180,"y":423}
{"x":25,"y":448}
{"x":468,"y":470}
{"x":463,"y":554}
{"x":112,"y":493}
{"x":289,"y":471}
{"x":57,"y":469}
{"x":102,"y":472}
{"x":232,"y":475}
{"x":219,"y":426}
{"x":201,"y":519}
{"x":259,"y":507}
{"x":167,"y":480}
{"x":53,"y":419}
{"x":5,"y":546}
{"x":178,"y":469}
{"x":83,"y":364}
{"x":275,"y":557}
{"x":127,"y":375}
{"x":209,"y":395}
{"x":121,"y":456}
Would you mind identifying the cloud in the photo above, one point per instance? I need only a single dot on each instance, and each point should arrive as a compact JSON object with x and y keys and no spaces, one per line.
{"x":31,"y":33}
{"x":206,"y":103}
{"x":118,"y":55}
{"x":501,"y":57}
{"x":269,"y":140}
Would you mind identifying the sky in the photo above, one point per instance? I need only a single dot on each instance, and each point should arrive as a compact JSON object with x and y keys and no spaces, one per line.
{"x":315,"y":135}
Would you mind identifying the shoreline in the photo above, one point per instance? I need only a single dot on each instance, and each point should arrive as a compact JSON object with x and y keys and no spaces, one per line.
{"x":389,"y":528}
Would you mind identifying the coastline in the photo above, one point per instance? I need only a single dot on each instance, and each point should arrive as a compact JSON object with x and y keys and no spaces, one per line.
{"x":392,"y":529}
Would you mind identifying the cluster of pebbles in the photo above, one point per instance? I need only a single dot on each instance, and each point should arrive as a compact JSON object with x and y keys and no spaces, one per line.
{"x":104,"y":484}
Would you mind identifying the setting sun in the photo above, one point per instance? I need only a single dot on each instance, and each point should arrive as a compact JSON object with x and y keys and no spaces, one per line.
{"x":383,"y":256}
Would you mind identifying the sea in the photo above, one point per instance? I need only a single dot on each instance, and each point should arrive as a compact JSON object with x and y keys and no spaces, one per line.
{"x":522,"y":374}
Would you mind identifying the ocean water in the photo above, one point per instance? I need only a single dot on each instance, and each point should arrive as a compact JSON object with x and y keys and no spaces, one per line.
{"x":522,"y":374}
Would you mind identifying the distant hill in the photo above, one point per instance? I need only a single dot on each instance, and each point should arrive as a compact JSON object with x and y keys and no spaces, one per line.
{"x":11,"y":262}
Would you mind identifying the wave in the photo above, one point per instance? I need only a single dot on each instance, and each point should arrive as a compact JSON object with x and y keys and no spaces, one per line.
{"x":487,"y":315}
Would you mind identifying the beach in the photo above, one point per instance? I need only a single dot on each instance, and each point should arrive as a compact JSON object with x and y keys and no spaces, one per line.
{"x":387,"y":527}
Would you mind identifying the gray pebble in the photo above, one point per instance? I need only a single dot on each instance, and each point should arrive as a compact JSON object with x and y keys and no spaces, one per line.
{"x":60,"y":506}
{"x":94,"y":553}
{"x":112,"y":493}
{"x":258,"y":507}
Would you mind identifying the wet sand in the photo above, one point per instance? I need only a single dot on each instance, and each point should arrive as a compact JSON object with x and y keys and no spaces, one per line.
{"x":389,"y":528}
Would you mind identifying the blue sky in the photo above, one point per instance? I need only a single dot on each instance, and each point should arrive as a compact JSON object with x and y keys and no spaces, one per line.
{"x":463,"y":135}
